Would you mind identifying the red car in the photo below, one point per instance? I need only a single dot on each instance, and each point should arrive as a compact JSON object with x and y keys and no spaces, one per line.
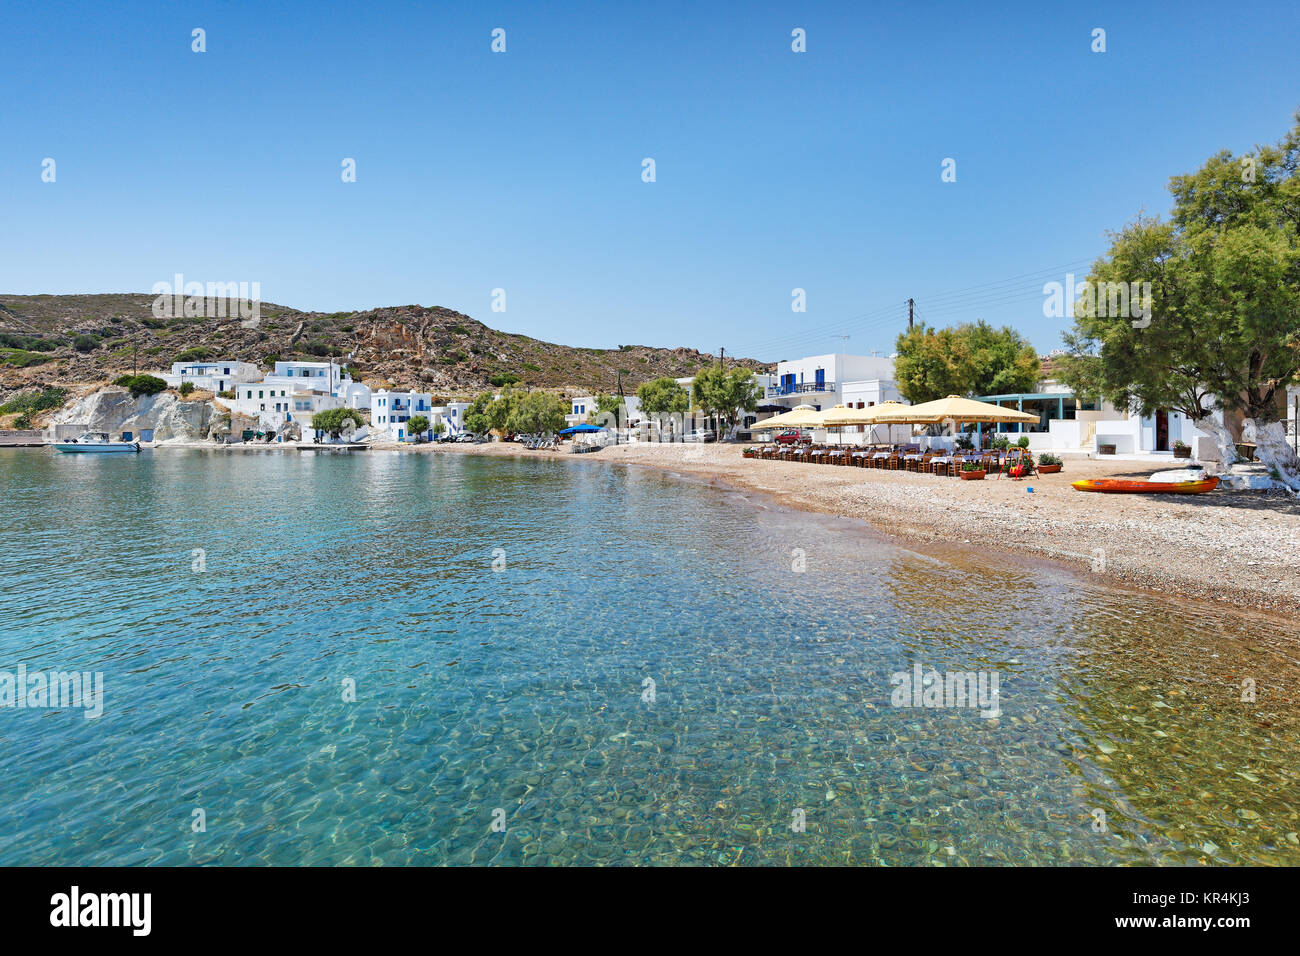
{"x":793,"y":437}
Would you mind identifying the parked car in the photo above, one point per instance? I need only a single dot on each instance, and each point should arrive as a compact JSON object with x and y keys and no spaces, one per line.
{"x":793,"y":437}
{"x":699,"y":434}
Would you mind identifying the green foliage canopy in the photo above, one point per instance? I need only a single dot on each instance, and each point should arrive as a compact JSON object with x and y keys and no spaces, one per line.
{"x":969,"y":359}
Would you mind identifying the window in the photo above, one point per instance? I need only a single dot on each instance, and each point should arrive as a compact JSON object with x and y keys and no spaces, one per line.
{"x":260,"y":395}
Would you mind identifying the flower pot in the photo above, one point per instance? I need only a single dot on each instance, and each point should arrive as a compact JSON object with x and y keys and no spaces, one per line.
{"x":1105,"y":449}
{"x":1048,"y":469}
{"x":1182,"y":452}
{"x":972,"y":476}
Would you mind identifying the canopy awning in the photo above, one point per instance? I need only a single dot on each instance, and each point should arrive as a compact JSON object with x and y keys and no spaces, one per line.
{"x":953,"y":408}
{"x":845,"y":415}
{"x":584,"y":428}
{"x":801,"y":416}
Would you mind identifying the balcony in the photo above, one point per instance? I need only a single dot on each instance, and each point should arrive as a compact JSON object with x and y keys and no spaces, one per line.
{"x":800,"y":388}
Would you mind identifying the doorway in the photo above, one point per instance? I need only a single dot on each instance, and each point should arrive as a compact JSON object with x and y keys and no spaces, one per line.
{"x":1162,"y":430}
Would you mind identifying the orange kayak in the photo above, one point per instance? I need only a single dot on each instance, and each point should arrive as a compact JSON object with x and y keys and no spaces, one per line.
{"x":1122,"y":486}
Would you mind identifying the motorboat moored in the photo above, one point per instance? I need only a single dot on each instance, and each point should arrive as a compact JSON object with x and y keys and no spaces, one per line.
{"x":95,"y":442}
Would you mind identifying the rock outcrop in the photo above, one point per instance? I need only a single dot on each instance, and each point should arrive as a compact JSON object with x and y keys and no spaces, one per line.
{"x":114,"y":410}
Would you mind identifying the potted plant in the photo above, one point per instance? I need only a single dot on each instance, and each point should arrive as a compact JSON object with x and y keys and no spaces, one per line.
{"x":1048,"y":464}
{"x":972,"y":471}
{"x":1182,"y":449}
{"x":749,"y":452}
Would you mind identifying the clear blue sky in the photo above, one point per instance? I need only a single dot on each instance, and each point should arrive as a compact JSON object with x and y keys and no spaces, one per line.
{"x":522,"y":170}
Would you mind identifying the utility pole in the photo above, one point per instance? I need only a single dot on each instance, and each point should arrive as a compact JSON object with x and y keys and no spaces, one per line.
{"x":621,"y":400}
{"x":911,"y":306}
{"x":135,"y":350}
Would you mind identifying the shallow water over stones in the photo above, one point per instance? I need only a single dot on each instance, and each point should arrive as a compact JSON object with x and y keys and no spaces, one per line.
{"x":644,"y":681}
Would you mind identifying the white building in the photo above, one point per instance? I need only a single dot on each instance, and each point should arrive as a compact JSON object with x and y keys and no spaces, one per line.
{"x":294,"y":391}
{"x":274,"y":406}
{"x":586,"y":407}
{"x":392,"y":410}
{"x":821,"y":381}
{"x":220,"y":376}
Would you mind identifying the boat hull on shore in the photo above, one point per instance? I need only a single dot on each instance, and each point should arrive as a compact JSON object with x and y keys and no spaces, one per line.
{"x":1126,"y":487}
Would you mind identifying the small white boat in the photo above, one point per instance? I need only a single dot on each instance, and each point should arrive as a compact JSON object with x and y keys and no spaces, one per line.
{"x":95,"y":442}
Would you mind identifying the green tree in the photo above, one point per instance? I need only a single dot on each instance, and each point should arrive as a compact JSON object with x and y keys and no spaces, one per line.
{"x":609,"y":410}
{"x":724,"y":393}
{"x":928,"y":365}
{"x":186,"y":388}
{"x":476,"y":416}
{"x":333,"y":421}
{"x":536,"y":412}
{"x":417,"y":426}
{"x":1221,"y":329}
{"x":968,"y":359}
{"x":662,"y":396}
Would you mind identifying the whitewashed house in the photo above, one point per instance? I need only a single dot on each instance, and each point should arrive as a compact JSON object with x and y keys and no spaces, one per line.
{"x":220,"y":376}
{"x":294,"y":391}
{"x":392,"y":410}
{"x":274,"y":406}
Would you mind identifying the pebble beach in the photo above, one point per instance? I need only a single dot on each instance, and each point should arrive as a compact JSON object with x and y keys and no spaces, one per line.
{"x":1236,"y":548}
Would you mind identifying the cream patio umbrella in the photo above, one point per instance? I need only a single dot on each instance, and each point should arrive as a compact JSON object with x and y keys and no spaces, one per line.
{"x":801,"y":416}
{"x":841,"y":415}
{"x":953,"y":408}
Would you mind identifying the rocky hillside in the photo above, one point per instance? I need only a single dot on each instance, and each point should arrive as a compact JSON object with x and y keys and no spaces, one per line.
{"x":80,"y":340}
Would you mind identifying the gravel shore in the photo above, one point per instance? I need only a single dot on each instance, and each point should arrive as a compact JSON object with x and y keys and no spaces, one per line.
{"x":1236,"y":548}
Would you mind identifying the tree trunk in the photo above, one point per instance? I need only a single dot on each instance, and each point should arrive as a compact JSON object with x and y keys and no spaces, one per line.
{"x":1223,"y":439}
{"x":1272,"y":449}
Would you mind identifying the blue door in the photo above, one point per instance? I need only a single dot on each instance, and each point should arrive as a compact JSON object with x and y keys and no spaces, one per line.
{"x":821,"y":379}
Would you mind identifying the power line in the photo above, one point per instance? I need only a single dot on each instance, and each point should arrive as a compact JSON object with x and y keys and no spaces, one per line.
{"x":952,"y":302}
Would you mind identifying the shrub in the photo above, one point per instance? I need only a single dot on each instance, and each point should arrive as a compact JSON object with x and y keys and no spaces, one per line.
{"x":228,"y":393}
{"x":85,"y":343}
{"x":18,"y":358}
{"x":186,"y":388}
{"x":30,"y":343}
{"x":1047,"y":458}
{"x":1023,"y":441}
{"x":30,"y":402}
{"x":502,"y":379}
{"x":196,"y":354}
{"x":139,"y":385}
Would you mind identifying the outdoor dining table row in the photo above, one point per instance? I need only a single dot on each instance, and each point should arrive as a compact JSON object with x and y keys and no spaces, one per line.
{"x":890,"y":457}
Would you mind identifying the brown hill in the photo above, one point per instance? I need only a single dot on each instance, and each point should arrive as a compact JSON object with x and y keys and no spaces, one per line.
{"x":83,"y":339}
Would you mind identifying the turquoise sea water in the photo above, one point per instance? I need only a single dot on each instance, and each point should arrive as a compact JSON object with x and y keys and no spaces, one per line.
{"x":520,"y":695}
